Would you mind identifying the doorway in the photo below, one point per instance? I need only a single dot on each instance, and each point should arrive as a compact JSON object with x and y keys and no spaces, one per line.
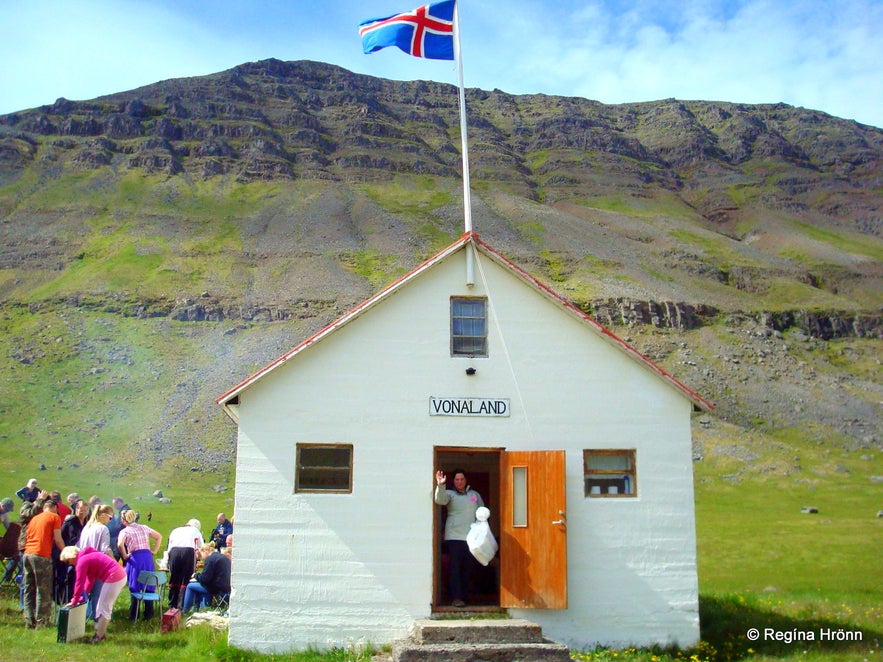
{"x":482,"y":468}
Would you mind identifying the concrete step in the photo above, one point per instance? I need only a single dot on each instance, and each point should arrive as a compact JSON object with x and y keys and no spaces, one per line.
{"x":488,"y":640}
{"x":478,"y":631}
{"x":531,"y":652}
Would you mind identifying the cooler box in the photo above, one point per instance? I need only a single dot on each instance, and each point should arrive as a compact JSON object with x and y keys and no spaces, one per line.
{"x":71,"y":623}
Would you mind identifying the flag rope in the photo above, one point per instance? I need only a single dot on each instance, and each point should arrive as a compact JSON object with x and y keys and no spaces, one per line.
{"x":509,"y":364}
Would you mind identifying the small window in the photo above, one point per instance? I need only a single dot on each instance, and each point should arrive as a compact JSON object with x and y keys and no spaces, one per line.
{"x":324,"y":468}
{"x":468,"y":327}
{"x":609,"y":473}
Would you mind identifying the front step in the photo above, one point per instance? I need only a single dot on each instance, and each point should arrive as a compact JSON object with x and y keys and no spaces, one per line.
{"x":481,"y":631}
{"x":478,"y":641}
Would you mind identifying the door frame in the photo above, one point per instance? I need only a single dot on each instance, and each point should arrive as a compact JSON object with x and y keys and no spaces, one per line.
{"x":473,"y":460}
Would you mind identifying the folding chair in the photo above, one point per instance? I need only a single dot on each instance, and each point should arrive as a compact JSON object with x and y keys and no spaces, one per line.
{"x":153,"y":583}
{"x":12,"y":565}
{"x":221,"y":602}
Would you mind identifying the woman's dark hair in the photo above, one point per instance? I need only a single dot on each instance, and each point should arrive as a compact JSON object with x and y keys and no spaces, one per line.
{"x":459,"y":471}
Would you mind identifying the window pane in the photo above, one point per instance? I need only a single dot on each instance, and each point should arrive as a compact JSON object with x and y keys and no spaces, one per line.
{"x":324,"y":479}
{"x":323,"y":456}
{"x":609,"y":473}
{"x":519,"y":496}
{"x":612,"y":462}
{"x":469,"y":327}
{"x":323,"y":468}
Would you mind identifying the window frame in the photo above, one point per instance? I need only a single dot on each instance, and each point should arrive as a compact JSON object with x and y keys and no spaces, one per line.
{"x":299,"y":466}
{"x":455,"y":352}
{"x":610,"y":476}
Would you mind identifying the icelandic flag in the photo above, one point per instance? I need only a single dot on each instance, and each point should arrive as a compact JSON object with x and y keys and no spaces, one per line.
{"x":427,"y":31}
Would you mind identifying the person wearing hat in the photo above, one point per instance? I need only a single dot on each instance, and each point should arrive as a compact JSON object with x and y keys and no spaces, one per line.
{"x":29,"y":492}
{"x":44,"y":531}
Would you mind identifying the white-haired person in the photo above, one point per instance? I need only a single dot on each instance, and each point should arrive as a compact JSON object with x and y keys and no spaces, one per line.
{"x":93,"y":566}
{"x":29,"y":492}
{"x":183,"y":543}
{"x":137,"y":545}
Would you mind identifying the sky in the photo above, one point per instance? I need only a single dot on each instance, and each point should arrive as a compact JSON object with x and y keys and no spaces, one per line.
{"x":821,"y":54}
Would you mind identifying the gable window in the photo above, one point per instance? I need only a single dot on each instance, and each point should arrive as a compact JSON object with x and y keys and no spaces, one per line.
{"x":324,"y":468}
{"x":468,"y":326}
{"x":609,"y":473}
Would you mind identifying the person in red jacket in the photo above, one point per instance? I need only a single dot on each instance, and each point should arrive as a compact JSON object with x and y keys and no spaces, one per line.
{"x":91,"y":566}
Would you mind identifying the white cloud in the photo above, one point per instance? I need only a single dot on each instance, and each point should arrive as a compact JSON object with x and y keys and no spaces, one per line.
{"x":820,"y":55}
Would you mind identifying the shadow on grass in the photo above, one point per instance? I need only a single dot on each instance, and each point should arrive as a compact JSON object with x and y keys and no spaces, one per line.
{"x":737,"y":630}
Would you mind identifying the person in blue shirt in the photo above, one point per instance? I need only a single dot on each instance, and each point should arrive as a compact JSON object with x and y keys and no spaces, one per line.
{"x":221,"y":531}
{"x":29,"y":492}
{"x":214,"y":579}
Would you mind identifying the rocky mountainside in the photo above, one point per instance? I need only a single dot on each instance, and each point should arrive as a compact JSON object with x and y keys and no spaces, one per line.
{"x":724,"y":204}
{"x":285,"y":192}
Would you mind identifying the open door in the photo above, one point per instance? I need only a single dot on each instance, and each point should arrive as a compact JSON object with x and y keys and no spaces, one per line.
{"x":533,"y":527}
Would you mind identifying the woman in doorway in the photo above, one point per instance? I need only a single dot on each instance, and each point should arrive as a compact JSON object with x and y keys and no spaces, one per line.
{"x":461,"y":502}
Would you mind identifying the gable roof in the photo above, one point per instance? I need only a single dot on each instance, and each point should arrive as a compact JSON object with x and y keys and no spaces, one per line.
{"x":228,"y":399}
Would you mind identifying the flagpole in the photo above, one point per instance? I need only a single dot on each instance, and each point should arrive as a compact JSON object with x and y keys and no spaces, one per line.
{"x":467,"y":199}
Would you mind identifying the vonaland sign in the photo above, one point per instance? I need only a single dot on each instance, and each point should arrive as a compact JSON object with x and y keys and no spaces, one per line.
{"x":468,"y":406}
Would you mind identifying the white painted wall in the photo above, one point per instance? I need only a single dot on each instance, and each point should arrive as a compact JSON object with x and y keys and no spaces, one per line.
{"x":323,"y":570}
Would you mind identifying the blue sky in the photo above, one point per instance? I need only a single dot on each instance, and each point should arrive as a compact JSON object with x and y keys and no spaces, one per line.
{"x":821,"y":54}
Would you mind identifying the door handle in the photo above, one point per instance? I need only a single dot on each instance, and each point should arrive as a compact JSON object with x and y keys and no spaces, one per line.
{"x":562,"y":521}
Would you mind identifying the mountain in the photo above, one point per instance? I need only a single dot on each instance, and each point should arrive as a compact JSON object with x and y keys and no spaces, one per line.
{"x":265,"y":200}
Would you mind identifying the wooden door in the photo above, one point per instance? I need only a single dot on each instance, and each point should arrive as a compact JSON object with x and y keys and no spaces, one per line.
{"x":533,"y":528}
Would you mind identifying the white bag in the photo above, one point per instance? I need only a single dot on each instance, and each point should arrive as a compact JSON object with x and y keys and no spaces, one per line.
{"x":480,"y":540}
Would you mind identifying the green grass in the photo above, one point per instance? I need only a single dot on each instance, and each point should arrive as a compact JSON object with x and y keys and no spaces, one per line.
{"x":127,"y":640}
{"x":844,"y":241}
{"x":410,"y":194}
{"x":716,"y":247}
{"x":374,"y":266}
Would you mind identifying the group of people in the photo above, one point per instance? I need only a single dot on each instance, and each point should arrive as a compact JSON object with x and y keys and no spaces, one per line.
{"x":88,"y":551}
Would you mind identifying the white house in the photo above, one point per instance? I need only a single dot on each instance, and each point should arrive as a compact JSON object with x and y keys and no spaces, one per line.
{"x":579,"y":445}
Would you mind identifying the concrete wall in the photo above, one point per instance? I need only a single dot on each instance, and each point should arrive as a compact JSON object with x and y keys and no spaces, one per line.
{"x":332,"y":569}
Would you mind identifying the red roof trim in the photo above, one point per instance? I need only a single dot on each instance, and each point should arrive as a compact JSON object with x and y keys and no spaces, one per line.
{"x":503,"y":261}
